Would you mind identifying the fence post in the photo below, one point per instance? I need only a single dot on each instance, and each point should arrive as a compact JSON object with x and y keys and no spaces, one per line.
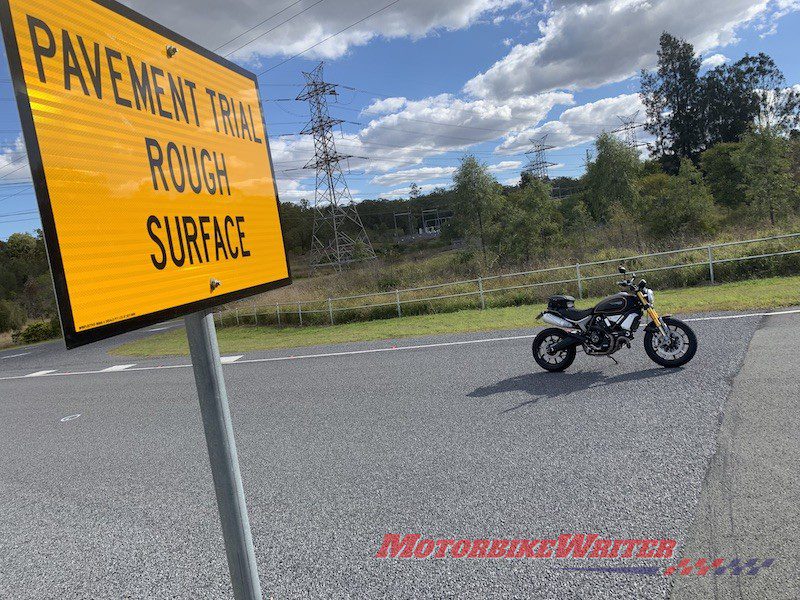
{"x":711,"y":263}
{"x":399,"y":310}
{"x":300,"y":312}
{"x":330,"y":310}
{"x":278,"y":312}
{"x":237,"y":317}
{"x":480,"y":291}
{"x":580,"y":283}
{"x":255,"y":313}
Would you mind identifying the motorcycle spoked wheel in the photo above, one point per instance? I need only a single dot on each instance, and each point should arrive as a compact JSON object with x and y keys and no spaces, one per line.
{"x":552,"y":361}
{"x":675,"y":352}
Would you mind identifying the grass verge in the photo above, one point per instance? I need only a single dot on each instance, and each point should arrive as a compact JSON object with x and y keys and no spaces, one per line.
{"x":742,"y":295}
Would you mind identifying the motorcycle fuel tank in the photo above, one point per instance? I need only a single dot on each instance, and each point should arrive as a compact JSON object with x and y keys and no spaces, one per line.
{"x":616,"y":304}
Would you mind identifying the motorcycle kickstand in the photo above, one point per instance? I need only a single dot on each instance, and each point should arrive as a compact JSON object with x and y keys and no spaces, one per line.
{"x":614,"y":359}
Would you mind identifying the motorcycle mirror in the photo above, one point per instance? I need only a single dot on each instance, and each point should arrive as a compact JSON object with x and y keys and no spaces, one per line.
{"x":622,"y":269}
{"x":642,"y":284}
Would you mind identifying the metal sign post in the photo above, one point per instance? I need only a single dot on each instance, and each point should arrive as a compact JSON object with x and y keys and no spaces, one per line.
{"x":222,"y":455}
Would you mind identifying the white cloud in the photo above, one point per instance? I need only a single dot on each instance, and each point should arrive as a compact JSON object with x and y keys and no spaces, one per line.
{"x":423,"y":128}
{"x":291,"y":190}
{"x":387,"y":105}
{"x":445,"y":123}
{"x":506,"y":165}
{"x":406,"y":191}
{"x":768,"y":23}
{"x":588,"y":44}
{"x":576,"y":125}
{"x":413,"y":175}
{"x":14,"y":163}
{"x":714,"y":61}
{"x":211,"y":23}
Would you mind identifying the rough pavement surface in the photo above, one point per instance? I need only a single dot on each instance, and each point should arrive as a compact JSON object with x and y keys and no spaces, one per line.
{"x":750,"y":503}
{"x":466,"y":441}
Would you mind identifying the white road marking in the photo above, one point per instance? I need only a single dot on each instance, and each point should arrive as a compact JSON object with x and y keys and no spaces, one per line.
{"x":116,"y":368}
{"x":40,"y":373}
{"x":238,"y":361}
{"x":747,"y":316}
{"x":70,"y":418}
{"x":226,"y":360}
{"x":392,"y":349}
{"x":14,"y":355}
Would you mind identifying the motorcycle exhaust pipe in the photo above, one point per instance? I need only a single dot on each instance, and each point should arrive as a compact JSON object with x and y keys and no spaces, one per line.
{"x":553,"y":319}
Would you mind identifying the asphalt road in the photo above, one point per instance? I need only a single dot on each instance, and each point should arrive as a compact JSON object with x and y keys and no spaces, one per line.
{"x":464,"y":440}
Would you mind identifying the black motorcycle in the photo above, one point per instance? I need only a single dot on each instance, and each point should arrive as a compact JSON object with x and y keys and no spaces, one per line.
{"x":609,"y":326}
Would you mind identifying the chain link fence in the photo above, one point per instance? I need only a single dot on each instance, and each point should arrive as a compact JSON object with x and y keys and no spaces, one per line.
{"x":731,"y":261}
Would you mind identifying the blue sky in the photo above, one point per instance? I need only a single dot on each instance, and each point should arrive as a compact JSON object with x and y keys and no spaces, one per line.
{"x":435,"y":79}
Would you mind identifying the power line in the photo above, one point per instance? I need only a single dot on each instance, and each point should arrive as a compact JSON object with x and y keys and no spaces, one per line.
{"x":328,"y":38}
{"x":259,"y":24}
{"x":19,"y":213}
{"x":13,"y":171}
{"x":259,"y":36}
{"x":17,"y":193}
{"x":628,"y":129}
{"x":338,"y":236}
{"x":430,"y":122}
{"x":538,"y":164}
{"x":19,"y":220}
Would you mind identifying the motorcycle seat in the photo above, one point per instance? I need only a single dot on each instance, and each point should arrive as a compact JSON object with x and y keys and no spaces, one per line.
{"x":575,"y":314}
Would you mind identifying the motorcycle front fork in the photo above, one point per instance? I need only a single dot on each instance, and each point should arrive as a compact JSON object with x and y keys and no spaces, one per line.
{"x":662,"y":327}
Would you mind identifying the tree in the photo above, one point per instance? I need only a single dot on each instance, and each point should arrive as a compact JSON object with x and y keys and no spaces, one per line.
{"x":751,"y":91}
{"x":688,"y":113}
{"x":611,"y":177}
{"x":764,"y":161}
{"x":682,"y":205}
{"x":731,"y":104}
{"x":527,"y":223}
{"x":722,"y":174}
{"x":577,"y":218}
{"x":794,"y":156}
{"x":526,"y":178}
{"x":776,"y":106}
{"x":414,"y":191}
{"x":474,"y":192}
{"x":297,"y":221}
{"x":11,"y":316}
{"x":673,"y":96}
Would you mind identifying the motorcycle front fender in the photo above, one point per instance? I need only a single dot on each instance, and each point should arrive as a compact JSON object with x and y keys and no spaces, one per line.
{"x":652,"y":326}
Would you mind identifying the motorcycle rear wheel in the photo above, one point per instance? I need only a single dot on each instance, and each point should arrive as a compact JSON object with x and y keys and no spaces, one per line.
{"x":556,"y":361}
{"x":675,"y":352}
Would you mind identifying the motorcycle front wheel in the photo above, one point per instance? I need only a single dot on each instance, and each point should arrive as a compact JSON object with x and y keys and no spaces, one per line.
{"x":545,"y":358}
{"x":673,"y":351}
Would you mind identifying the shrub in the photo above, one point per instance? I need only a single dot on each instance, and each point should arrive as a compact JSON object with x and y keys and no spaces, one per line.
{"x":35,"y":332}
{"x":11,"y":316}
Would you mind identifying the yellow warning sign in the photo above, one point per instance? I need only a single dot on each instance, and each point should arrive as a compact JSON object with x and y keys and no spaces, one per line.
{"x":151,"y":165}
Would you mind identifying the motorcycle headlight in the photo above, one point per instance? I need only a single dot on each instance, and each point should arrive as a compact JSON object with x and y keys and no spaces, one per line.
{"x":651,"y":297}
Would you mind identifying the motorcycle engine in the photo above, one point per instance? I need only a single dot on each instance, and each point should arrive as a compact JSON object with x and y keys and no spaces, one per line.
{"x":600,"y":339}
